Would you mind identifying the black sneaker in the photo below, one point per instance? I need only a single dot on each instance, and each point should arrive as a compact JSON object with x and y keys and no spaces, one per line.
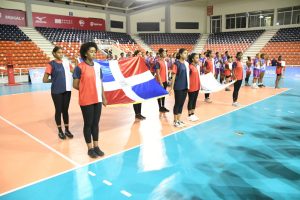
{"x":98,"y":151}
{"x":69,"y":134}
{"x":92,"y":153}
{"x":166,"y":110}
{"x":61,"y":135}
{"x":142,"y":116}
{"x":162,"y":110}
{"x":139,"y":117}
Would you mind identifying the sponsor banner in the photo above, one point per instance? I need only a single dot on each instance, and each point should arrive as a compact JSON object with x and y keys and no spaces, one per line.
{"x":67,"y":22}
{"x":36,"y":75}
{"x":290,"y":72}
{"x":12,"y":17}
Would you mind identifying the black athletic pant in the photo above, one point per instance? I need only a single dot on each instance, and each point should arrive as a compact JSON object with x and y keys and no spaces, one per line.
{"x":237,"y":86}
{"x":137,"y":108}
{"x":161,"y":101}
{"x":91,"y":117}
{"x":192,"y":100}
{"x":247,"y":78}
{"x":206,"y":95}
{"x":61,"y":103}
{"x":180,"y":96}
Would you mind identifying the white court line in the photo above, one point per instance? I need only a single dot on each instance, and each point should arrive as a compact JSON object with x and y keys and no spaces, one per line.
{"x":291,"y":112}
{"x":92,"y":173}
{"x":139,"y":145}
{"x":125,"y":193}
{"x":106,"y":182}
{"x":41,"y":142}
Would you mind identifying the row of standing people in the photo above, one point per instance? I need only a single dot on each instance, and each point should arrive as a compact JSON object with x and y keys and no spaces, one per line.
{"x":87,"y":78}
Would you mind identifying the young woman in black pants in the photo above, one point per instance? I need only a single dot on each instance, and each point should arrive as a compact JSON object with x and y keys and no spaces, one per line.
{"x":61,"y":79}
{"x":194,"y":86}
{"x":138,"y":106}
{"x":237,"y":74}
{"x":161,"y":69}
{"x":88,"y":80}
{"x":180,"y":84}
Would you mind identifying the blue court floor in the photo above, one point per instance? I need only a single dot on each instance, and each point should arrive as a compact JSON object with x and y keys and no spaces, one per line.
{"x":252,"y":153}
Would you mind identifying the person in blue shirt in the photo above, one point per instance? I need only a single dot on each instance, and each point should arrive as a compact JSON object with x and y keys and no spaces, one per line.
{"x":180,"y":84}
{"x":61,"y":79}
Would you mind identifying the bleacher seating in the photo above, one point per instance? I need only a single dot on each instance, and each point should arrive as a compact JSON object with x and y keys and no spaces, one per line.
{"x":12,"y":33}
{"x":285,"y":42}
{"x":232,"y":42}
{"x":17,"y":49}
{"x":170,"y":41}
{"x":71,"y":40}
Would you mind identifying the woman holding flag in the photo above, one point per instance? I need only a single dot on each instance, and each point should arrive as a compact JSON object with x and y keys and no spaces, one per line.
{"x":138,"y":106}
{"x":161,"y":69}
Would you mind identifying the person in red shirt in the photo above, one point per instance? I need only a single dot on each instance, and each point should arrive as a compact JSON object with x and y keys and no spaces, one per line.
{"x":237,"y":75}
{"x":208,"y":68}
{"x":161,"y":69}
{"x":279,"y":69}
{"x":61,"y":79}
{"x":194,"y":85}
{"x":87,"y":78}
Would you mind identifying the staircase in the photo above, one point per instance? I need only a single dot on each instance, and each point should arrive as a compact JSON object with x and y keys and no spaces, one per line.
{"x":140,"y":42}
{"x":199,"y":47}
{"x":259,"y":43}
{"x":39,"y":40}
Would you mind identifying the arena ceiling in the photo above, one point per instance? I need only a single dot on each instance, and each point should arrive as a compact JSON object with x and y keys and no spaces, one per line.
{"x":125,"y":6}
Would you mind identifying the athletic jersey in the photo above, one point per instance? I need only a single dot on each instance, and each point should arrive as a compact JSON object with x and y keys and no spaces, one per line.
{"x":227,"y":70}
{"x":256,"y":63}
{"x":90,"y":84}
{"x":61,"y":76}
{"x":279,"y":68}
{"x":248,"y":68}
{"x":263,"y":64}
{"x":238,"y":70}
{"x":182,"y":72}
{"x":194,"y":78}
{"x":217,"y":62}
{"x":162,"y":65}
{"x":224,"y":58}
{"x":150,"y":62}
{"x":209,"y":66}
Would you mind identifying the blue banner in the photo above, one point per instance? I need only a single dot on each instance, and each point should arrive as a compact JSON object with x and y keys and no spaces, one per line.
{"x":36,"y":75}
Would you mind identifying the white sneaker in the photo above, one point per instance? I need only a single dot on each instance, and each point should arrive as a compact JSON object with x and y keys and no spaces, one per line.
{"x":254,"y":86}
{"x":195,"y":117}
{"x":177,"y":124}
{"x":235,"y":104}
{"x":208,"y":100}
{"x":182,"y":123}
{"x":190,"y":118}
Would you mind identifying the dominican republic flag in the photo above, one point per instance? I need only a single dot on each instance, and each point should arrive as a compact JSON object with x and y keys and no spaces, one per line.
{"x":129,"y":81}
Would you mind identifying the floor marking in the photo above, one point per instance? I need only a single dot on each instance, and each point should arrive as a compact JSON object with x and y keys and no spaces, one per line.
{"x":139,"y":145}
{"x":92,"y":173}
{"x":41,"y":142}
{"x":124,"y":192}
{"x":106,"y":182}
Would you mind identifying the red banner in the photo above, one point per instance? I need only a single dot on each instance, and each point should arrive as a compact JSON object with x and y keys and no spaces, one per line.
{"x":67,"y":22}
{"x":210,"y":10}
{"x":12,"y":17}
